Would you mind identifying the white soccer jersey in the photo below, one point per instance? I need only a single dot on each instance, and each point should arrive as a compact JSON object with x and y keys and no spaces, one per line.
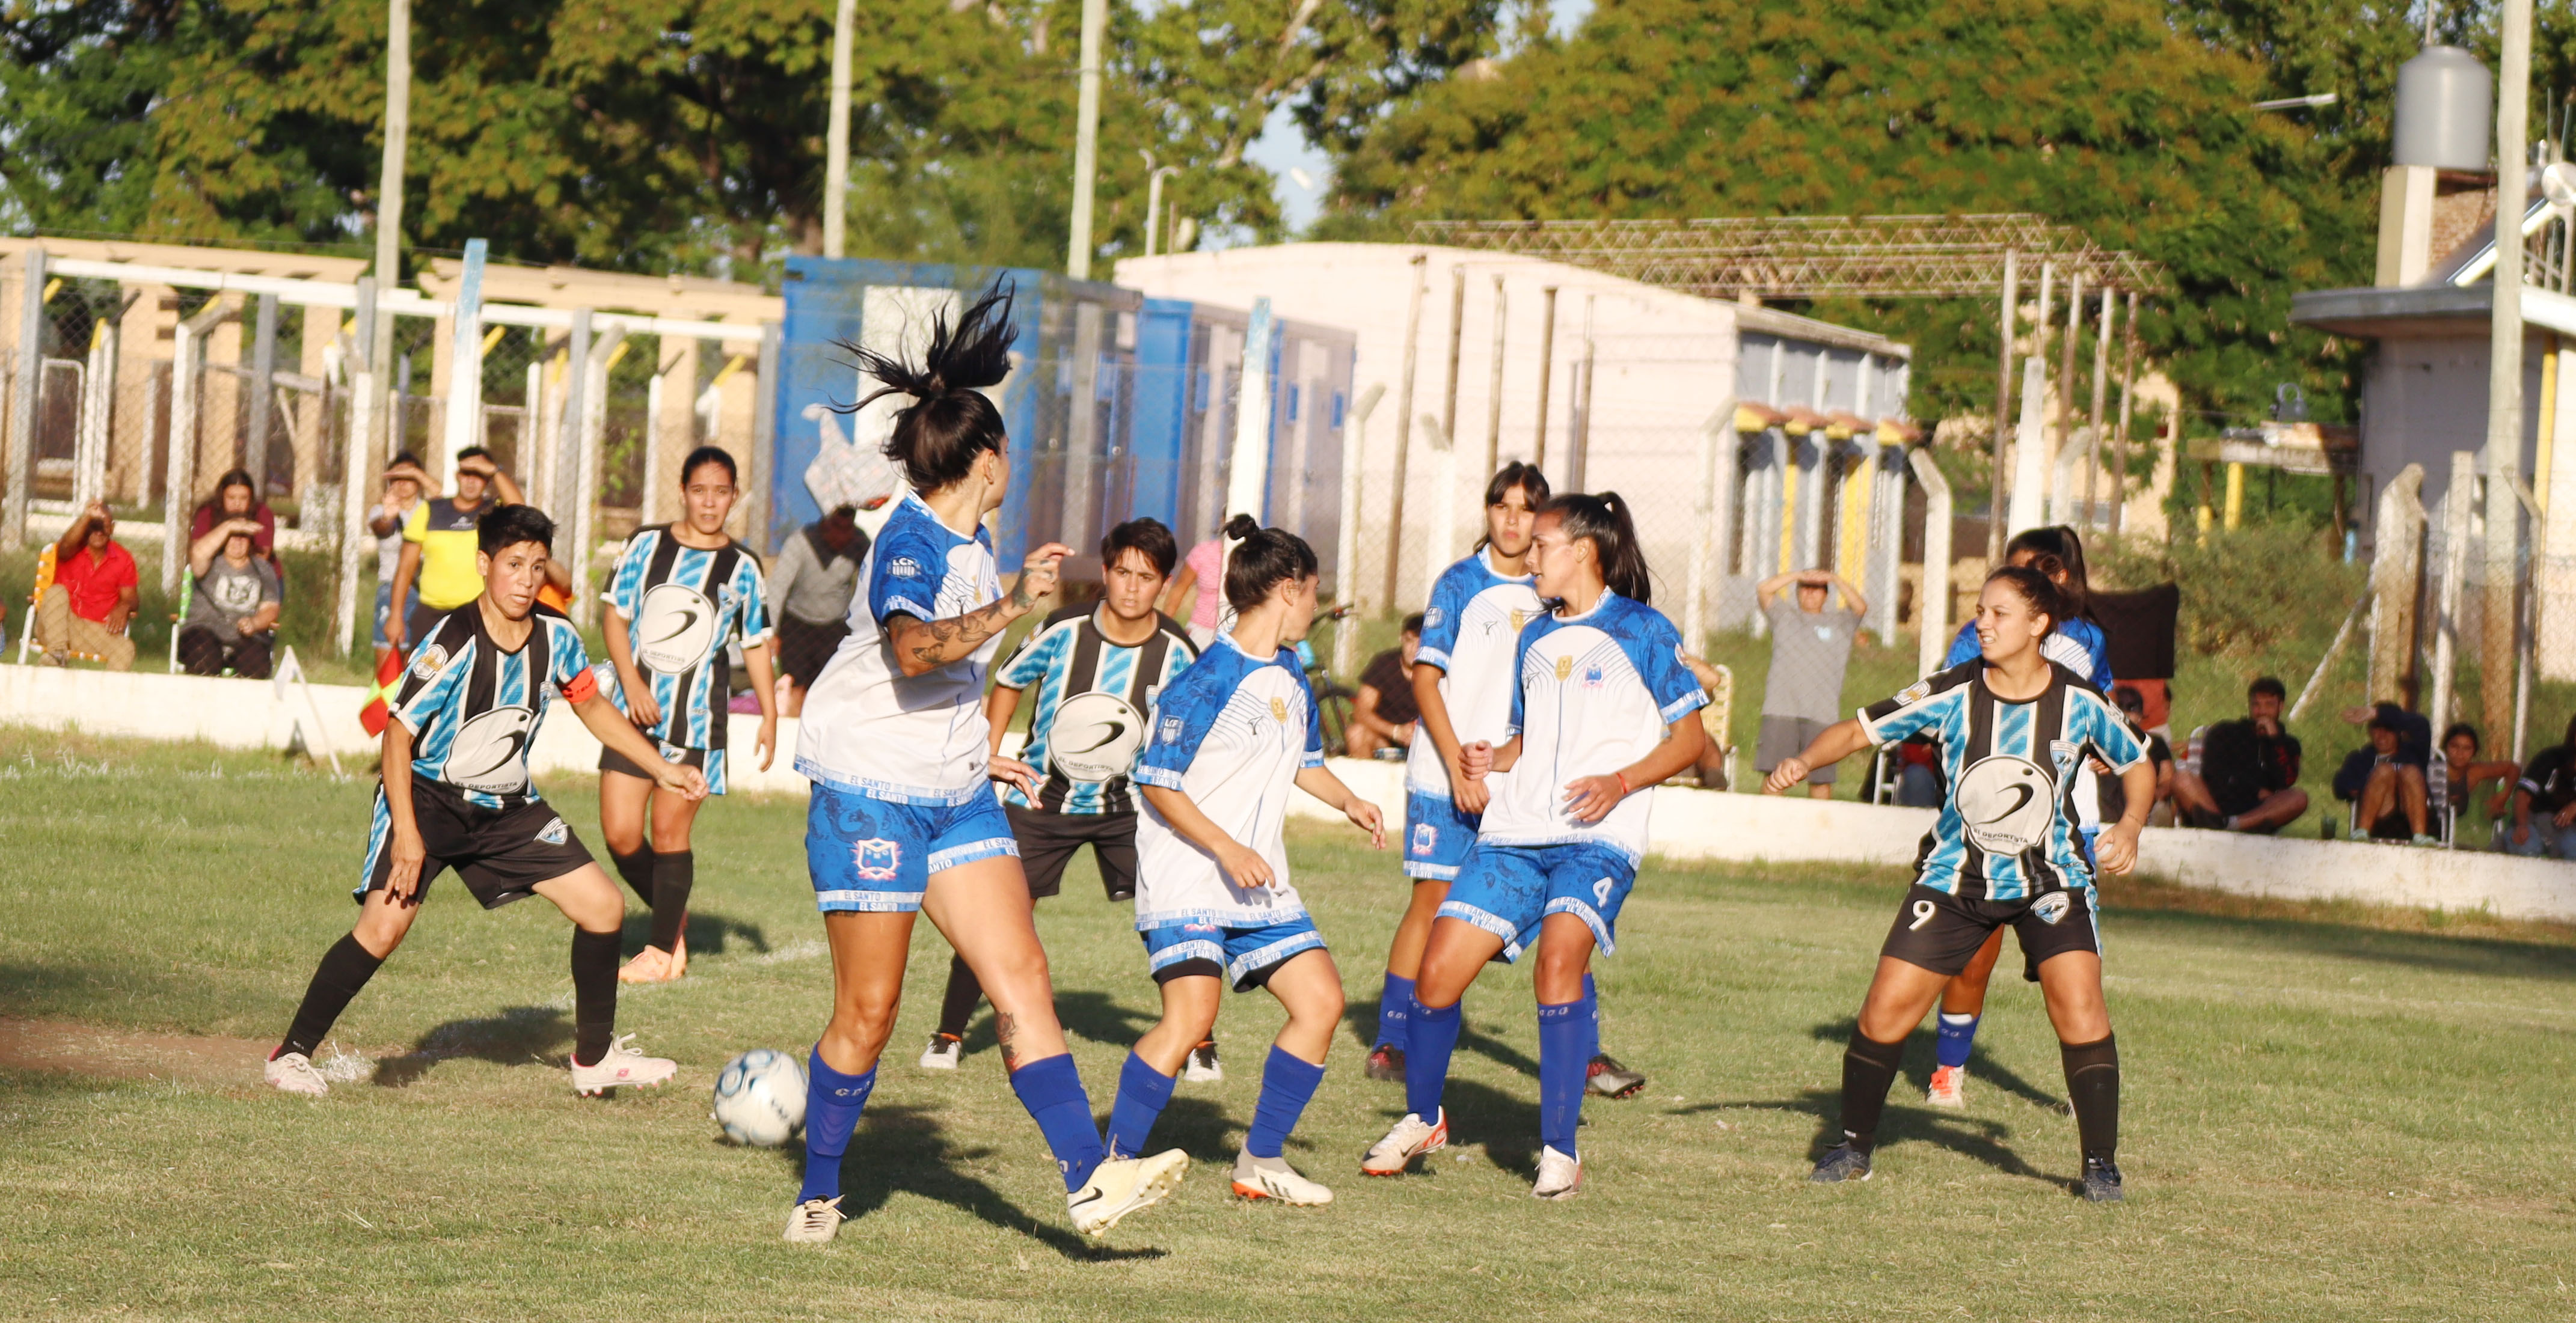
{"x":1232,"y":733}
{"x":867,"y":727}
{"x":1595,"y":694}
{"x":1471,"y":631}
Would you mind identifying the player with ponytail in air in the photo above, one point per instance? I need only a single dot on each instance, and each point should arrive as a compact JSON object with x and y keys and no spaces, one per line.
{"x":1601,"y":710}
{"x":2013,"y":728}
{"x":903,"y":819}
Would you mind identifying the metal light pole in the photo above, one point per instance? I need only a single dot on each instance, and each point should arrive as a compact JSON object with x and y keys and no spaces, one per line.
{"x":1154,"y":203}
{"x":836,"y":136}
{"x":379,"y":338}
{"x":1086,"y":138}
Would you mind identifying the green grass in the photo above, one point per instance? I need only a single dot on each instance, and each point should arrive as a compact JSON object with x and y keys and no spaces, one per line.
{"x":2330,"y":1113}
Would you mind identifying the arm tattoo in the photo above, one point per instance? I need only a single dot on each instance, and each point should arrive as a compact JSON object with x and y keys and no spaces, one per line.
{"x":1007,"y":1029}
{"x":942,"y":641}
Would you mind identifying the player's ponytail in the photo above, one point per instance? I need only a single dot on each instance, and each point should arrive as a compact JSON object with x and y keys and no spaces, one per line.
{"x":2031,"y":584}
{"x":950,"y":422}
{"x":1263,"y":559}
{"x":1603,"y":521}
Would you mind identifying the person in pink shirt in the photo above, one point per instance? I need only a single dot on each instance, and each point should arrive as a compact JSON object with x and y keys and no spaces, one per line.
{"x":1200,"y":586}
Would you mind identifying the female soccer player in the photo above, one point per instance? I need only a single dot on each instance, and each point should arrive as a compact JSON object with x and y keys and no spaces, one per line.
{"x":456,"y":795}
{"x":2013,"y":728}
{"x":1601,"y":710}
{"x":1213,"y":898}
{"x":680,"y":593}
{"x":903,"y":818}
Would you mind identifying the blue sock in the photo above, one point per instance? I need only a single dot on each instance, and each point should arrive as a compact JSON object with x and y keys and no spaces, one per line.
{"x":1287,"y":1085}
{"x":1957,"y":1034}
{"x":832,"y":1103}
{"x":1426,"y":1062}
{"x":1391,"y":1007}
{"x":1052,"y":1092}
{"x":1143,"y":1093}
{"x":1592,"y":1021}
{"x":1563,"y":1032}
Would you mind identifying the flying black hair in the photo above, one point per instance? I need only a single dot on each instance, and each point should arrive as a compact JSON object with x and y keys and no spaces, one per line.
{"x":1533,"y":485}
{"x":1263,"y":559}
{"x":510,"y":525}
{"x":949,"y":423}
{"x":1603,"y":520}
{"x":708,"y":455}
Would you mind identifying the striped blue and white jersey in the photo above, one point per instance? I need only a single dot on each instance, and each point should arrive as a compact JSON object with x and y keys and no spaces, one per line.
{"x":473,"y":709}
{"x":2008,"y":828}
{"x":1471,"y":631}
{"x":868,"y":727}
{"x":1595,"y":694}
{"x":1091,"y":704}
{"x":1231,"y":733}
{"x":682,"y":606}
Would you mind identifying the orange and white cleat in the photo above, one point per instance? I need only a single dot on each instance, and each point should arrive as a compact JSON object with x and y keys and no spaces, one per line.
{"x":1411,"y":1138}
{"x":1948,"y":1089}
{"x":650,"y":965}
{"x":1275,"y":1180}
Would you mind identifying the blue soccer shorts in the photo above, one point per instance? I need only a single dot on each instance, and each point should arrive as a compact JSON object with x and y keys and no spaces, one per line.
{"x":1436,"y":837}
{"x":877,"y":855}
{"x":1245,"y":957}
{"x":1507,"y":889}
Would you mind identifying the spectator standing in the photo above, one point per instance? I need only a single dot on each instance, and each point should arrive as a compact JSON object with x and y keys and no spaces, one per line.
{"x":2544,"y":803}
{"x":93,"y":596}
{"x":1384,"y":713}
{"x":816,"y":576}
{"x":1200,"y":586}
{"x":1810,"y":646}
{"x":237,"y":497}
{"x":439,"y":546}
{"x":406,"y":487}
{"x":2245,"y":773}
{"x":232,"y":614}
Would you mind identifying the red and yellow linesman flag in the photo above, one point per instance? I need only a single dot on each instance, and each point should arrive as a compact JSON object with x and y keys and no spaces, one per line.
{"x":377,"y":711}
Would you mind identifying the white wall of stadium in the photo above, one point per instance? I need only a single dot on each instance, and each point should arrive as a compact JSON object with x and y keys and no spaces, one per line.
{"x":1688,"y":824}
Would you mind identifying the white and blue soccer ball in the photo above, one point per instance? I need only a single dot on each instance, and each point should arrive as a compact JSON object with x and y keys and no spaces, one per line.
{"x":760,"y":1098}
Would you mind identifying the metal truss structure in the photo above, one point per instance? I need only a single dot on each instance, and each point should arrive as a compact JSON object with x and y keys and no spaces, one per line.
{"x":1810,"y":257}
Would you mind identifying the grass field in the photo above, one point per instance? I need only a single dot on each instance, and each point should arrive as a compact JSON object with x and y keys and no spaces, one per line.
{"x":2330,"y":1114}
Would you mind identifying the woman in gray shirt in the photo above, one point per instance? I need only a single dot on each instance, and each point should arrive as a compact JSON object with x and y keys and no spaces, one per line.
{"x":233,"y":604}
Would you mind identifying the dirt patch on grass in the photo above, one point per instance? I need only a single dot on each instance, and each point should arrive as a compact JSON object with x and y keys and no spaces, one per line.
{"x":71,"y":1047}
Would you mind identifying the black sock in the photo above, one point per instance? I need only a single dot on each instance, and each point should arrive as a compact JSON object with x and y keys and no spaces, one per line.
{"x":1869,"y":1068}
{"x":637,"y":869}
{"x":594,"y":994}
{"x":345,"y":968}
{"x":675,"y":874}
{"x":964,"y":995}
{"x":2093,"y":1087}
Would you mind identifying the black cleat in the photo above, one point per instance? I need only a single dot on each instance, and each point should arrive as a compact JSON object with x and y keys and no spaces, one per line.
{"x":1844,"y":1163}
{"x":1605,"y":1076}
{"x":2101,"y":1181}
{"x":1386,"y":1063}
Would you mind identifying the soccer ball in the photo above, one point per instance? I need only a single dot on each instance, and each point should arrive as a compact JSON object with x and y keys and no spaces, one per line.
{"x":760,"y":1098}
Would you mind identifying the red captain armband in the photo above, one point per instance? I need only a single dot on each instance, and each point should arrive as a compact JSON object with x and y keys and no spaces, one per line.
{"x":582,"y":688}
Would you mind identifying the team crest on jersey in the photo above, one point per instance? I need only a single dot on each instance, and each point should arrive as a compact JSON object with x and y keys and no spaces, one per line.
{"x":555,"y":833}
{"x":904,"y":567}
{"x":1431,"y":617}
{"x":2064,"y":752}
{"x":1564,"y":669}
{"x":1279,"y":710}
{"x":1426,"y":838}
{"x":877,"y":860}
{"x":2052,"y":907}
{"x":1519,"y":618}
{"x":1593,"y":677}
{"x":429,"y":663}
{"x":671,"y":753}
{"x":1171,"y":732}
{"x":2004,"y":802}
{"x":1914,"y":693}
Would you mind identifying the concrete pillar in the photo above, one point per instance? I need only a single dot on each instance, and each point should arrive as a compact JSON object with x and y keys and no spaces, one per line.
{"x":220,"y":398}
{"x":143,"y":344}
{"x":736,"y":413}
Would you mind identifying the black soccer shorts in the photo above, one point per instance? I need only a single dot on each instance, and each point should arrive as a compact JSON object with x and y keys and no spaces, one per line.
{"x":500,"y":854}
{"x":1048,"y":841}
{"x":1941,"y":932}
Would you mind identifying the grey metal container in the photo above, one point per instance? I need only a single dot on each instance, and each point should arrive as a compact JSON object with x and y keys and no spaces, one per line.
{"x":2445,"y":110}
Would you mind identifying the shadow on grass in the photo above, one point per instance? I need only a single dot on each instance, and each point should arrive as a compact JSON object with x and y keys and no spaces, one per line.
{"x":708,"y":934}
{"x":519,"y":1036}
{"x":1983,"y":1069}
{"x":1976,"y":1138}
{"x":2484,"y":956}
{"x":906,"y":1148}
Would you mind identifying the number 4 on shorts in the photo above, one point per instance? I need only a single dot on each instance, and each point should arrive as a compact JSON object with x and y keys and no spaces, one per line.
{"x":1601,"y":891}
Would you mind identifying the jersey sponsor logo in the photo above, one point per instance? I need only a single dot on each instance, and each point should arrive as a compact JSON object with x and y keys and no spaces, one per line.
{"x":430,"y":662}
{"x":2004,"y":802}
{"x":555,"y":832}
{"x":904,"y":567}
{"x":674,"y":627}
{"x":1426,"y":838}
{"x":878,"y":860}
{"x":1094,"y":736}
{"x":1171,"y":731}
{"x":1431,"y":617}
{"x":490,"y":752}
{"x":2052,"y":907}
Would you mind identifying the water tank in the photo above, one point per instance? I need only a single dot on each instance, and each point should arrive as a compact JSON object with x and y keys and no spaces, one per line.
{"x":2445,"y":110}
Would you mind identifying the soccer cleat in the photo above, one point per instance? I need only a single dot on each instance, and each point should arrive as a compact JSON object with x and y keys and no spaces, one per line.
{"x":1559,"y":1176}
{"x":1605,"y":1076}
{"x":293,"y":1072}
{"x":1948,"y":1085}
{"x":1255,"y":1181}
{"x":624,"y":1064}
{"x":650,"y":965}
{"x":814,"y":1222}
{"x":2101,"y":1181}
{"x":1411,"y":1138}
{"x":1203,"y":1067}
{"x":1844,"y":1163}
{"x":1386,"y":1063}
{"x":1123,"y":1185}
{"x":943,"y":1052}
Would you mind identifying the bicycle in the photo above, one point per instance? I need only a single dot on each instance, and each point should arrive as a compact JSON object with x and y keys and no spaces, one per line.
{"x":1333,"y":699}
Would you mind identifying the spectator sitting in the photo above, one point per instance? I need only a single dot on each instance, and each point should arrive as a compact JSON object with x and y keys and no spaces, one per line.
{"x":93,"y":595}
{"x":1810,"y":646}
{"x":232,"y":615}
{"x":2548,"y":790}
{"x":1713,"y":751}
{"x":2388,"y":780}
{"x":1384,"y":714}
{"x":237,"y":497}
{"x":2458,"y":775}
{"x":406,"y":486}
{"x":2246,"y":776}
{"x":813,"y":581}
{"x":2133,"y":707}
